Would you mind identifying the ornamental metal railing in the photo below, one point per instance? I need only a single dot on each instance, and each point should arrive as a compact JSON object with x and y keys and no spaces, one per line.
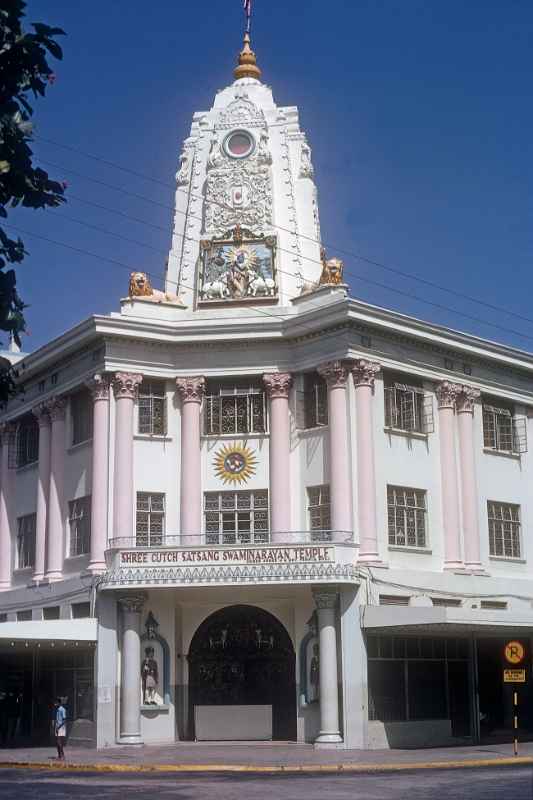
{"x":232,"y":539}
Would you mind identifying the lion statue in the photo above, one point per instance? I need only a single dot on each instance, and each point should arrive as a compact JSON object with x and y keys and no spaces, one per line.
{"x":140,"y":286}
{"x":332,"y":270}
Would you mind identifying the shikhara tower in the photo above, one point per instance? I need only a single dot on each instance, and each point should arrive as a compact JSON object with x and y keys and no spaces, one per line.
{"x":246,"y":226}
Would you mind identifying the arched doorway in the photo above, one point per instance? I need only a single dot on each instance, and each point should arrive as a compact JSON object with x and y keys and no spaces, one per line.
{"x":242,"y":655}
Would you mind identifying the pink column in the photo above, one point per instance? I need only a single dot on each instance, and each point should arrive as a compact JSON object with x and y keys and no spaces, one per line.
{"x":446,"y":394}
{"x":43,"y":488}
{"x":465,"y":420}
{"x":364,"y":373}
{"x":55,"y":542}
{"x":99,"y":387}
{"x":340,"y":484}
{"x":7,"y":437}
{"x":191,"y":391}
{"x":125,"y":387}
{"x":278,"y":386}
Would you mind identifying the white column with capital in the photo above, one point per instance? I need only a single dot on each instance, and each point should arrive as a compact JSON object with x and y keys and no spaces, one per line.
{"x":191,"y":391}
{"x":465,"y":404}
{"x":99,"y":387}
{"x":125,"y":387}
{"x":364,"y":373}
{"x":326,"y":601}
{"x":7,"y":437}
{"x":131,"y":607}
{"x":451,"y":520}
{"x":278,"y":385}
{"x":42,"y":414}
{"x":55,"y":539}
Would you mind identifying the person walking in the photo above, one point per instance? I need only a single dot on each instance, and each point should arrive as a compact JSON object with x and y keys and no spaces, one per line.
{"x":60,"y":728}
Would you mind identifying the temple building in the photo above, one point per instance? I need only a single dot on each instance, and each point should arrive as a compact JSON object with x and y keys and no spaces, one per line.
{"x":251,"y":507}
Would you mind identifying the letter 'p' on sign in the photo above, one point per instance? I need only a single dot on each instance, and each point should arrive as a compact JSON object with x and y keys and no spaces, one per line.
{"x":514,"y":652}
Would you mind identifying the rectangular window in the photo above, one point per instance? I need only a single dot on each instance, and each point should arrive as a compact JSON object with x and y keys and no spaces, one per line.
{"x":79,"y":520}
{"x":236,"y":517}
{"x":237,"y":408}
{"x":27,"y":441}
{"x":80,"y":610}
{"x":3,"y":617}
{"x":393,"y":600}
{"x":502,"y":431}
{"x":26,"y":541}
{"x":150,"y":523}
{"x":406,"y":516}
{"x":408,"y":407}
{"x":319,"y":512}
{"x":24,"y":616}
{"x":52,"y":612}
{"x":315,"y":401}
{"x":446,"y":602}
{"x":152,"y":408}
{"x":504,"y":529}
{"x":81,"y":414}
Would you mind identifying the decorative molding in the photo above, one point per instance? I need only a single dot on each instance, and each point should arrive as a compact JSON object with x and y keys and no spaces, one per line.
{"x":42,"y":414}
{"x":364,"y":372}
{"x":447,"y":393}
{"x":241,"y":112}
{"x":57,"y":408}
{"x":99,"y":387}
{"x":132,"y":603}
{"x":325,"y":597}
{"x":277,"y":384}
{"x":191,"y":389}
{"x":237,"y":192}
{"x":126,"y":385}
{"x":335,"y":373}
{"x":466,"y":399}
{"x":306,"y":165}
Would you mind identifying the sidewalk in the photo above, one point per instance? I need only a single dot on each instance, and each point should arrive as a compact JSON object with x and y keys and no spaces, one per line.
{"x":267,"y":757}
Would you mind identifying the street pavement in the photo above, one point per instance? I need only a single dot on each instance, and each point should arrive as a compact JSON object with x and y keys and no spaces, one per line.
{"x":479,"y":784}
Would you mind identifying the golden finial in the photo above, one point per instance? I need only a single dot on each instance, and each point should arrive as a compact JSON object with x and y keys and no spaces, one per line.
{"x":247,"y":67}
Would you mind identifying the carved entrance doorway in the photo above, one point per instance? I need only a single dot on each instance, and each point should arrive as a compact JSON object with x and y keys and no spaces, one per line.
{"x":242,"y":655}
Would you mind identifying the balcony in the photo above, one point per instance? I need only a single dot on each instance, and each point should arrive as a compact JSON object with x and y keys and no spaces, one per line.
{"x":207,"y":559}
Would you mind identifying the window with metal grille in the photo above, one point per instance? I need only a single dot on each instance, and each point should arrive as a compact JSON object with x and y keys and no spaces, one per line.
{"x":27,"y":441}
{"x":318,"y":505}
{"x":504,"y":529}
{"x":236,"y":517}
{"x":237,"y":408}
{"x":81,"y":414}
{"x":502,"y":431}
{"x":315,"y":401}
{"x":408,"y":407}
{"x":152,"y":408}
{"x":26,"y":541}
{"x":79,"y":520}
{"x":24,"y":616}
{"x":51,"y":612}
{"x":150,"y":522}
{"x":80,"y":610}
{"x":406,"y":516}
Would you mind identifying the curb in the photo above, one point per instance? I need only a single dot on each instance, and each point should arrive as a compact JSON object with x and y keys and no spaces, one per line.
{"x":274,"y":768}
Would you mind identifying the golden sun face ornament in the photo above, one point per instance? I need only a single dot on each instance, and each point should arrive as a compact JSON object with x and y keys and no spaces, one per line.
{"x":244,"y":258}
{"x":235,"y":463}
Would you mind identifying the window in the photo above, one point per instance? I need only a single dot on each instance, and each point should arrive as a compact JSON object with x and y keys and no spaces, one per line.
{"x":504,"y":529}
{"x":52,"y":612}
{"x":81,"y":414}
{"x":79,"y":520}
{"x":315,"y":401}
{"x":319,"y":510}
{"x":502,"y":431}
{"x":446,"y":602}
{"x":80,"y":610}
{"x":3,"y":617}
{"x":150,"y":524}
{"x":27,"y":441}
{"x":393,"y":600}
{"x":236,"y":408}
{"x":407,"y":407}
{"x":407,"y":516}
{"x":26,"y":541}
{"x":152,"y":408}
{"x":236,"y":517}
{"x":494,"y":605}
{"x":24,"y":616}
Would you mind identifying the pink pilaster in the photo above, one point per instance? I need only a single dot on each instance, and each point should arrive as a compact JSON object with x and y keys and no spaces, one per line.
{"x":99,"y":387}
{"x":43,"y":488}
{"x":465,"y":420}
{"x":125,"y":387}
{"x":7,"y":438}
{"x":364,"y":373}
{"x":55,"y":540}
{"x":278,"y":386}
{"x":191,"y":391}
{"x":340,"y":489}
{"x":446,"y":395}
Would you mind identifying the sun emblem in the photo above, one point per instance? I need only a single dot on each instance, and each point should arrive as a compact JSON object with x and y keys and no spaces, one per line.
{"x":235,"y":463}
{"x":244,"y":258}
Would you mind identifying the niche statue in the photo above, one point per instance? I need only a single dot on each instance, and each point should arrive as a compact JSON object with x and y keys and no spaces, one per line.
{"x":150,"y":677}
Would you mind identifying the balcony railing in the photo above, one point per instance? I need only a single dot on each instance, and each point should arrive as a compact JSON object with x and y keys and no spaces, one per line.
{"x":230,"y":539}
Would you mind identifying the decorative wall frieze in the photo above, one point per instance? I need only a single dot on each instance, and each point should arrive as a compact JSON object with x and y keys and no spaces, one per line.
{"x":306,"y":166}
{"x":42,"y":414}
{"x":447,"y":393}
{"x":99,"y":387}
{"x":132,"y":603}
{"x":364,"y":372}
{"x":277,"y":384}
{"x":191,"y":389}
{"x":466,"y":399}
{"x":325,"y":597}
{"x":57,"y":408}
{"x":126,"y":385}
{"x":335,"y":373}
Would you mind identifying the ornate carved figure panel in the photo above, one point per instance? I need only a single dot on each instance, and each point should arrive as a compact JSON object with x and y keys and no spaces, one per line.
{"x":233,"y":269}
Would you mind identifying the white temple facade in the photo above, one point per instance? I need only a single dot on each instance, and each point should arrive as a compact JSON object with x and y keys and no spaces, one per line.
{"x":251,"y":507}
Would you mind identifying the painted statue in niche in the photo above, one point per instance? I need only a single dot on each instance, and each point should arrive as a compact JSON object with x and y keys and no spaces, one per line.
{"x":238,"y":268}
{"x":150,"y":677}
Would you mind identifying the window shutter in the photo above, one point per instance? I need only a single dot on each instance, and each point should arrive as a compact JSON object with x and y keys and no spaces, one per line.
{"x":428,"y":422}
{"x":407,"y":408}
{"x":519,"y":435}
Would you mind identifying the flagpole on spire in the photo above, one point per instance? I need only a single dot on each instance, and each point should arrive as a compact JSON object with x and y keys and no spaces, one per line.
{"x":248,"y":15}
{"x":247,"y":66}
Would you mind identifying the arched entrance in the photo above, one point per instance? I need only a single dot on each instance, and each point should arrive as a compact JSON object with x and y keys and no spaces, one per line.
{"x":242,"y":655}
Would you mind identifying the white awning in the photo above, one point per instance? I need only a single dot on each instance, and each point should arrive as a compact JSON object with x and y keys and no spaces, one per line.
{"x":60,"y":630}
{"x":422,"y":619}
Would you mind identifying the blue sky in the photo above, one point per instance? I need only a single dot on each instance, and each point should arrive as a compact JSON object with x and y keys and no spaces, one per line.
{"x":419,"y":113}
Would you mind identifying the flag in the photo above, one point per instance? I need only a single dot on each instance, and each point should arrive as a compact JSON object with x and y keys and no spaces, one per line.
{"x":248,"y":8}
